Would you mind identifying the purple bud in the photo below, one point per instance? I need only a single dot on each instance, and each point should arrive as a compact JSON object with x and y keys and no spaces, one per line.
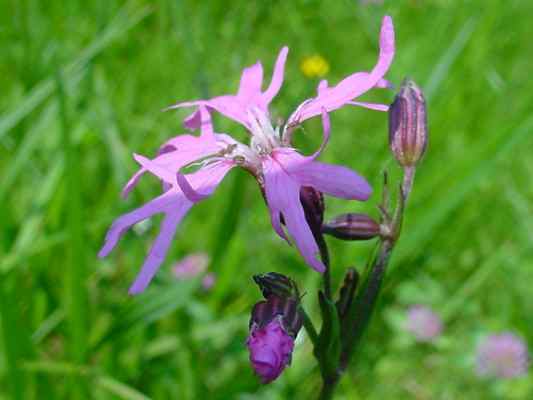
{"x":286,"y":308}
{"x":274,"y":324}
{"x":502,"y":356}
{"x":276,"y":284}
{"x":313,"y":204}
{"x":270,"y":349}
{"x":347,"y":291}
{"x":352,"y":227}
{"x":408,"y":133}
{"x":423,"y":323}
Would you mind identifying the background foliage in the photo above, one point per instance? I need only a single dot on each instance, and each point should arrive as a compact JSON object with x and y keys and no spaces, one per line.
{"x":82,"y":85}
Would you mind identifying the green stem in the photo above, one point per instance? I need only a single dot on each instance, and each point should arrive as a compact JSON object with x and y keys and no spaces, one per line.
{"x":407,"y":184}
{"x":361,"y":309}
{"x":329,"y":382}
{"x":309,"y":327}
{"x":324,"y":255}
{"x":364,"y":304}
{"x":328,"y":388}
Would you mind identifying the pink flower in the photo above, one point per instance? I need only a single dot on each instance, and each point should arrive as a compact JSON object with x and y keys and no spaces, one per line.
{"x":280,"y":170}
{"x":208,"y":281}
{"x":191,"y":266}
{"x":270,"y":349}
{"x":502,"y":356}
{"x":423,"y":323}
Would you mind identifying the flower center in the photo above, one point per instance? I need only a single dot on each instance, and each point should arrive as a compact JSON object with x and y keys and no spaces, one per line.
{"x":265,"y":137}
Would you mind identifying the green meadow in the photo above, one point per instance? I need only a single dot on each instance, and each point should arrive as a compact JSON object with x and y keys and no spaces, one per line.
{"x":83,"y":84}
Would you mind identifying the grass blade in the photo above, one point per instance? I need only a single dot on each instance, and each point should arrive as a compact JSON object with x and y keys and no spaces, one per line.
{"x":148,"y":307}
{"x":119,"y":389}
{"x":223,"y":235}
{"x":76,"y":297}
{"x":17,"y":345}
{"x":443,"y":66}
{"x":119,"y":25}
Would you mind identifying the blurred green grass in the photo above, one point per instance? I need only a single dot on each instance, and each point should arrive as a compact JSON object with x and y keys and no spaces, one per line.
{"x":67,"y":321}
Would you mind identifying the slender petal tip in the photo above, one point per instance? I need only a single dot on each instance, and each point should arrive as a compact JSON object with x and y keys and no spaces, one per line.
{"x":386,"y":39}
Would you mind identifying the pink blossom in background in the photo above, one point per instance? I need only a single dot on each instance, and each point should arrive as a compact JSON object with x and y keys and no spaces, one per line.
{"x":370,"y":2}
{"x":423,"y":323}
{"x":191,"y":266}
{"x":208,"y":281}
{"x":280,"y":170}
{"x":270,"y":350}
{"x":502,"y":356}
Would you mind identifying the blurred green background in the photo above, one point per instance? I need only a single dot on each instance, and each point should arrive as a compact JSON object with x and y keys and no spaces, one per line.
{"x":83,"y":83}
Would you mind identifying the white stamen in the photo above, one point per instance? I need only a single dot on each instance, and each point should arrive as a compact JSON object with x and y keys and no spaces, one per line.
{"x":264,"y":137}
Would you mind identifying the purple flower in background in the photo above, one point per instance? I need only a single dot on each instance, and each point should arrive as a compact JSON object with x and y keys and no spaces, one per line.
{"x":270,"y":349}
{"x":369,"y":2}
{"x":502,"y":356}
{"x":280,"y":170}
{"x":423,"y":323}
{"x":191,"y":266}
{"x":208,"y":281}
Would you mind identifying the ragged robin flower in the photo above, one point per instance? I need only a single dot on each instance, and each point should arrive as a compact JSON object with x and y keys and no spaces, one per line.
{"x":280,"y":169}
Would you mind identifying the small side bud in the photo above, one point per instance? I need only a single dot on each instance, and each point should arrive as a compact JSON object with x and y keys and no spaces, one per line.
{"x":408,"y":132}
{"x":351,"y":279}
{"x":352,"y":227}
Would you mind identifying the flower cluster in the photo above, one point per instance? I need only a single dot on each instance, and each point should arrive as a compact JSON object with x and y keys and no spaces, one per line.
{"x":502,"y":356}
{"x":280,"y":169}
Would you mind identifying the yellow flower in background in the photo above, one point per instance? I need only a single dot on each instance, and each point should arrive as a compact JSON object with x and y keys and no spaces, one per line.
{"x":314,"y":66}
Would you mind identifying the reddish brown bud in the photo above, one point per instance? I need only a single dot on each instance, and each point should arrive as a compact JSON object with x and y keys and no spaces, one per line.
{"x":408,"y":133}
{"x":352,"y":227}
{"x":276,"y":284}
{"x":288,"y":309}
{"x":313,"y":204}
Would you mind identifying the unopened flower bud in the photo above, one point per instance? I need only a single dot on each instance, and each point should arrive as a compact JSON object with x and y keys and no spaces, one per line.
{"x":352,"y":227}
{"x":313,"y":204}
{"x":408,"y":133}
{"x":270,"y":349}
{"x":274,"y":324}
{"x":288,"y":309}
{"x":347,"y":291}
{"x":273,"y":283}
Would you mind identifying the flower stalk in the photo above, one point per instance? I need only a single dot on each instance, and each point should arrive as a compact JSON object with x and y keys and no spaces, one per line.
{"x":355,"y":307}
{"x":358,"y":313}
